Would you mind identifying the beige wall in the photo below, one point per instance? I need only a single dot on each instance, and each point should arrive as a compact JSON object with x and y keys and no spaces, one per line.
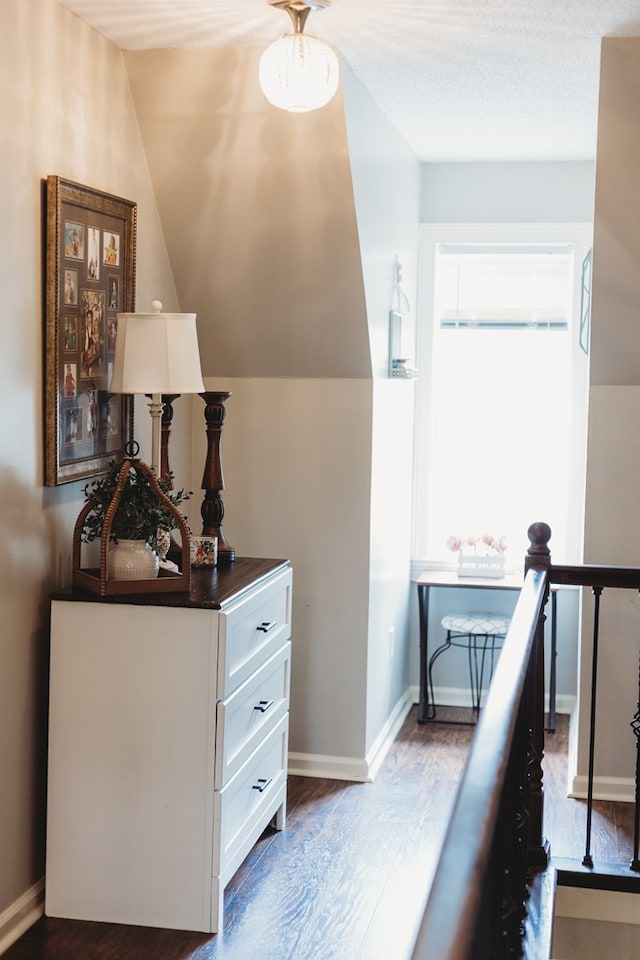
{"x":65,"y":110}
{"x":615,"y":359}
{"x":312,"y":433}
{"x":262,"y":238}
{"x":612,"y":531}
{"x":297,"y":457}
{"x":283,"y":246}
{"x":282,"y":231}
{"x":319,"y":469}
{"x":257,"y":210}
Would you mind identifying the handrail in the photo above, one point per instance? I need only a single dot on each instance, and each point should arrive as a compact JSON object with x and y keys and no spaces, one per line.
{"x":452,"y":919}
{"x":477,"y":904}
{"x":592,"y":575}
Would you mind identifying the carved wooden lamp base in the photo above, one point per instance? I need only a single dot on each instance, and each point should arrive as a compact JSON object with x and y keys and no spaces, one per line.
{"x":212,"y":509}
{"x":174,"y":551}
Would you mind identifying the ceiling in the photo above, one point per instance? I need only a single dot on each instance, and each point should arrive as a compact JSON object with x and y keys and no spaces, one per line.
{"x":461,"y":80}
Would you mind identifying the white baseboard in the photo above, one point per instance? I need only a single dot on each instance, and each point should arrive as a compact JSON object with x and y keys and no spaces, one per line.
{"x":358,"y":769}
{"x":388,"y":734}
{"x":326,"y":766}
{"x":461,"y":697}
{"x":619,"y":789}
{"x":604,"y":906}
{"x":364,"y":769}
{"x":21,"y":914}
{"x":565,"y":703}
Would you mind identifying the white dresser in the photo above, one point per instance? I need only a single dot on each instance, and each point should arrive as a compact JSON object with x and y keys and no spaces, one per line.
{"x":168,"y":732}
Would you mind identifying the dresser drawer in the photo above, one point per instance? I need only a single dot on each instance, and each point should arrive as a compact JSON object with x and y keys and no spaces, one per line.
{"x":245,"y":718}
{"x":251,"y":630}
{"x":243,"y":808}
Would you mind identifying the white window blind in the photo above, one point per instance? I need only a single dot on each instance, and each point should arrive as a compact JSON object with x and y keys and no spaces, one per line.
{"x":501,"y":419}
{"x":504,"y":286}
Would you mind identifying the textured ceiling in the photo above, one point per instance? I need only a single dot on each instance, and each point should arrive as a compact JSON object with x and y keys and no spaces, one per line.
{"x":461,"y":80}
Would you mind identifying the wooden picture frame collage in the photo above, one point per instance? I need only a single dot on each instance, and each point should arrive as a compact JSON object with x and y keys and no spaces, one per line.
{"x":90,"y":278}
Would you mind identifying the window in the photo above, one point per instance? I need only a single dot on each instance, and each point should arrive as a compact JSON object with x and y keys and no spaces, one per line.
{"x":502,"y":395}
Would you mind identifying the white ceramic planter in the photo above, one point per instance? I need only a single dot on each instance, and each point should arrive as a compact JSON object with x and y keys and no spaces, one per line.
{"x":132,"y":560}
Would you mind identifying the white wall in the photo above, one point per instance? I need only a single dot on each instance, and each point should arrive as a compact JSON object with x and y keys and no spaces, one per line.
{"x":386,"y":183}
{"x":65,"y":110}
{"x":507,"y":192}
{"x":612,"y":531}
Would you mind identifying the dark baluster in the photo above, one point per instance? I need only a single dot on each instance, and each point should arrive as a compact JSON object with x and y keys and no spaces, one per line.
{"x":516,"y":892}
{"x":587,"y":860}
{"x":212,"y":509}
{"x":509,"y":919}
{"x":635,"y":726}
{"x":523,"y":821}
{"x":538,"y":558}
{"x":426,"y":706}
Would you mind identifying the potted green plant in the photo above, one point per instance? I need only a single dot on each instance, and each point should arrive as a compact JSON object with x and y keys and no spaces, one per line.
{"x":140,"y":518}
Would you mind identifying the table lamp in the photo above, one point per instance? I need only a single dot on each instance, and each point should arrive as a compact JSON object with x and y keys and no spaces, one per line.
{"x":156,"y":353}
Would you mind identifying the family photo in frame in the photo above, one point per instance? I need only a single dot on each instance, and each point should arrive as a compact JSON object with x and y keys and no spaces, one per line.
{"x":90,"y":277}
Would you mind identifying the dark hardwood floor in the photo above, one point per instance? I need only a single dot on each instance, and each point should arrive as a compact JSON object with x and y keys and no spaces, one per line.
{"x":348,"y":878}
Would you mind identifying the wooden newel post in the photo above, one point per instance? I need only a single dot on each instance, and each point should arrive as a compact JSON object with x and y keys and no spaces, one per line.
{"x":538,"y":555}
{"x":538,"y":558}
{"x":212,"y":509}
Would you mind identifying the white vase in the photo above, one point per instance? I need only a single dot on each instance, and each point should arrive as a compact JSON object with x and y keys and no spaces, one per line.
{"x":132,"y":560}
{"x":481,"y":566}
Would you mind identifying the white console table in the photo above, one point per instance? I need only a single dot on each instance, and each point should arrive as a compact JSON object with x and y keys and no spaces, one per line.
{"x":167,"y":744}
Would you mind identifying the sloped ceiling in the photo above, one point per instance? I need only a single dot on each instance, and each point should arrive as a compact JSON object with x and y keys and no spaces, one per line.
{"x":258,"y":215}
{"x":460,"y":80}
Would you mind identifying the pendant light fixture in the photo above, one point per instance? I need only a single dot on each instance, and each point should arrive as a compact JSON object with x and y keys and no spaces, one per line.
{"x":298,"y":72}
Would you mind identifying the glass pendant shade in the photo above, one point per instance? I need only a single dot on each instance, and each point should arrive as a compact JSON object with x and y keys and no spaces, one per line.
{"x":298,"y":73}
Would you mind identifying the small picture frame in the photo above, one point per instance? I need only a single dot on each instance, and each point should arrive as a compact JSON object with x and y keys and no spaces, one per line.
{"x":70,"y":294}
{"x":73,"y":240}
{"x":111,"y":248}
{"x":90,"y":274}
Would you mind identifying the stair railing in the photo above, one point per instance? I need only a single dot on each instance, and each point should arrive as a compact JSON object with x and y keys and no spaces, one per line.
{"x":477,"y":906}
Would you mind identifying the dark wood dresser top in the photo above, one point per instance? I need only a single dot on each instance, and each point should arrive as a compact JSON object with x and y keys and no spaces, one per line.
{"x":210,"y":588}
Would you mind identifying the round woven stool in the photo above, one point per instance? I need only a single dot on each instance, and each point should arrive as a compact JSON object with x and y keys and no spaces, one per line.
{"x":481,"y":634}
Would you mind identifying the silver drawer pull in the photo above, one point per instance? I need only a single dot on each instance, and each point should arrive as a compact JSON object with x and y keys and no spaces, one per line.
{"x":264,"y":705}
{"x":262,"y":784}
{"x":267,"y":625}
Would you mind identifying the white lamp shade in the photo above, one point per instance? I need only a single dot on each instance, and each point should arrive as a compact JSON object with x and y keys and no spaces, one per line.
{"x":157,"y":353}
{"x":298,"y":73}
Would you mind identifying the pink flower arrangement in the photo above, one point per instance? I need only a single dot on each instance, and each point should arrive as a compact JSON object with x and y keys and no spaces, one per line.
{"x":486,"y":545}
